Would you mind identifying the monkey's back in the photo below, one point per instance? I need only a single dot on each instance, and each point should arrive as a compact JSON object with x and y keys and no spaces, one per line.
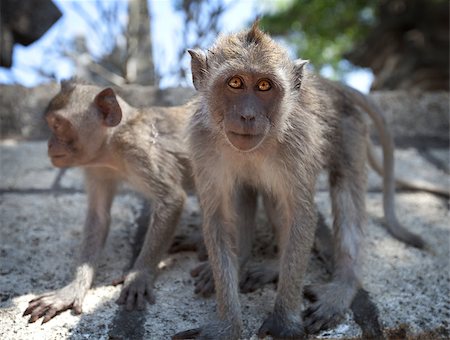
{"x":342,"y":122}
{"x":155,"y":137}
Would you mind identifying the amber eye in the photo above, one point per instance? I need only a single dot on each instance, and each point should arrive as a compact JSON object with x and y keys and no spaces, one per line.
{"x":264,"y":85}
{"x":235,"y":83}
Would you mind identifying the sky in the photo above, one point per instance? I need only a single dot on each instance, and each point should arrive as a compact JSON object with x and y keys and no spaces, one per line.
{"x":166,"y":31}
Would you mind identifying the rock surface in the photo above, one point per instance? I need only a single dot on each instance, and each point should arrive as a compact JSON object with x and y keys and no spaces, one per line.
{"x":42,"y":212}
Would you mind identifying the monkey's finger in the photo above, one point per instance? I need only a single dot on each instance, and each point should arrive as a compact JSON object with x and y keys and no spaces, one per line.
{"x":49,"y":315}
{"x":38,"y":298}
{"x":198,"y":287}
{"x":208,"y":288}
{"x":119,"y":281}
{"x":310,"y":311}
{"x":131,"y":301}
{"x":140,"y":301}
{"x":36,"y":310}
{"x":38,"y":313}
{"x":29,"y":310}
{"x":200,"y":290}
{"x":77,"y":307}
{"x":205,"y":274}
{"x":34,"y":304}
{"x":122,"y":297}
{"x":201,"y":283}
{"x":202,"y":253}
{"x":197,"y":270}
{"x":314,"y":327}
{"x":189,"y":334}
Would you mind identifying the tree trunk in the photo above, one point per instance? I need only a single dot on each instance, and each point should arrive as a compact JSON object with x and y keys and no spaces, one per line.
{"x":139,"y":65}
{"x":408,"y":49}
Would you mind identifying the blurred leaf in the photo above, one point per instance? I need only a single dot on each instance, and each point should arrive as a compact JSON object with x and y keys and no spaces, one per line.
{"x":322,"y":30}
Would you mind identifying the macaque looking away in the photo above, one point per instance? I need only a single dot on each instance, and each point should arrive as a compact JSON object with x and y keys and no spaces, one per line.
{"x":95,"y":129}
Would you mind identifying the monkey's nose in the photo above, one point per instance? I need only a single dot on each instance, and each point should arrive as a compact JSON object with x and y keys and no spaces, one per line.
{"x":51,"y":142}
{"x":247,"y":117}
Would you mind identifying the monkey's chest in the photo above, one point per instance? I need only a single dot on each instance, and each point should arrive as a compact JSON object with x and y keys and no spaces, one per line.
{"x":266,"y":174}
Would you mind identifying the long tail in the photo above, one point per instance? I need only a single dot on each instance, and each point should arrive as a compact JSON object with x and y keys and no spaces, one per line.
{"x":387,"y":144}
{"x":403,"y":183}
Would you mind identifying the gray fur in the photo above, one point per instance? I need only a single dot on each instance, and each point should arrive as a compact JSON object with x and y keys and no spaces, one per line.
{"x":284,"y":138}
{"x":115,"y":143}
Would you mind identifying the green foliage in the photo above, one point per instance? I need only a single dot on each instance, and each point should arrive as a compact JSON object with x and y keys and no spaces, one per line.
{"x":322,"y":30}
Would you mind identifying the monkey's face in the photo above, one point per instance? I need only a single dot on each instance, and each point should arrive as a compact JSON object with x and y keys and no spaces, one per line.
{"x":244,"y":107}
{"x":247,"y":83}
{"x":70,"y":145}
{"x":79,"y":121}
{"x":62,"y":144}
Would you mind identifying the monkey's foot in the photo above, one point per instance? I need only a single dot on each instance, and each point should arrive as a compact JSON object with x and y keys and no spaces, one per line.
{"x":217,"y":330}
{"x":49,"y":305}
{"x":280,"y":327}
{"x":204,"y":282}
{"x":329,"y":303}
{"x":258,"y":275}
{"x":137,"y":288}
{"x":189,"y":243}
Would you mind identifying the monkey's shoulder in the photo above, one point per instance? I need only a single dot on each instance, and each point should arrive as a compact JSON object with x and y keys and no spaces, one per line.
{"x":336,"y":98}
{"x":150,"y":138}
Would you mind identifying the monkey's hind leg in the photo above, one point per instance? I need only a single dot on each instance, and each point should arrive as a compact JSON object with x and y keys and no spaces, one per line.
{"x":331,"y":300}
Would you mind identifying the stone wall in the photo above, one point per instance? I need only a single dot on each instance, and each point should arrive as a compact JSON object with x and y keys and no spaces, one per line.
{"x":411,"y":116}
{"x":21,"y":108}
{"x":415,"y":117}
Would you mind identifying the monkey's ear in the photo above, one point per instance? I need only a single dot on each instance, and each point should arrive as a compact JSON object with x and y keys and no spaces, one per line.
{"x":299,"y":65}
{"x":68,"y":85}
{"x":106,"y":102}
{"x":198,"y":67}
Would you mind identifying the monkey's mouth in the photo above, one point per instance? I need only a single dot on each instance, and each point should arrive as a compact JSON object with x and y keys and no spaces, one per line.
{"x":60,"y":160}
{"x":58,"y":157}
{"x":244,"y":141}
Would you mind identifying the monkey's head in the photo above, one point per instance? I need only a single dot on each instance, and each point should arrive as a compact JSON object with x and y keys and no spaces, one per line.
{"x":247,"y":83}
{"x":79,"y":118}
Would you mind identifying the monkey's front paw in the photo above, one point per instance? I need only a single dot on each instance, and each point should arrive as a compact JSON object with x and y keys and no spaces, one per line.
{"x":212,"y":331}
{"x":137,"y":288}
{"x":329,"y":304}
{"x":204,"y":281}
{"x":281,"y":328}
{"x":49,"y":305}
{"x":257,"y":276}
